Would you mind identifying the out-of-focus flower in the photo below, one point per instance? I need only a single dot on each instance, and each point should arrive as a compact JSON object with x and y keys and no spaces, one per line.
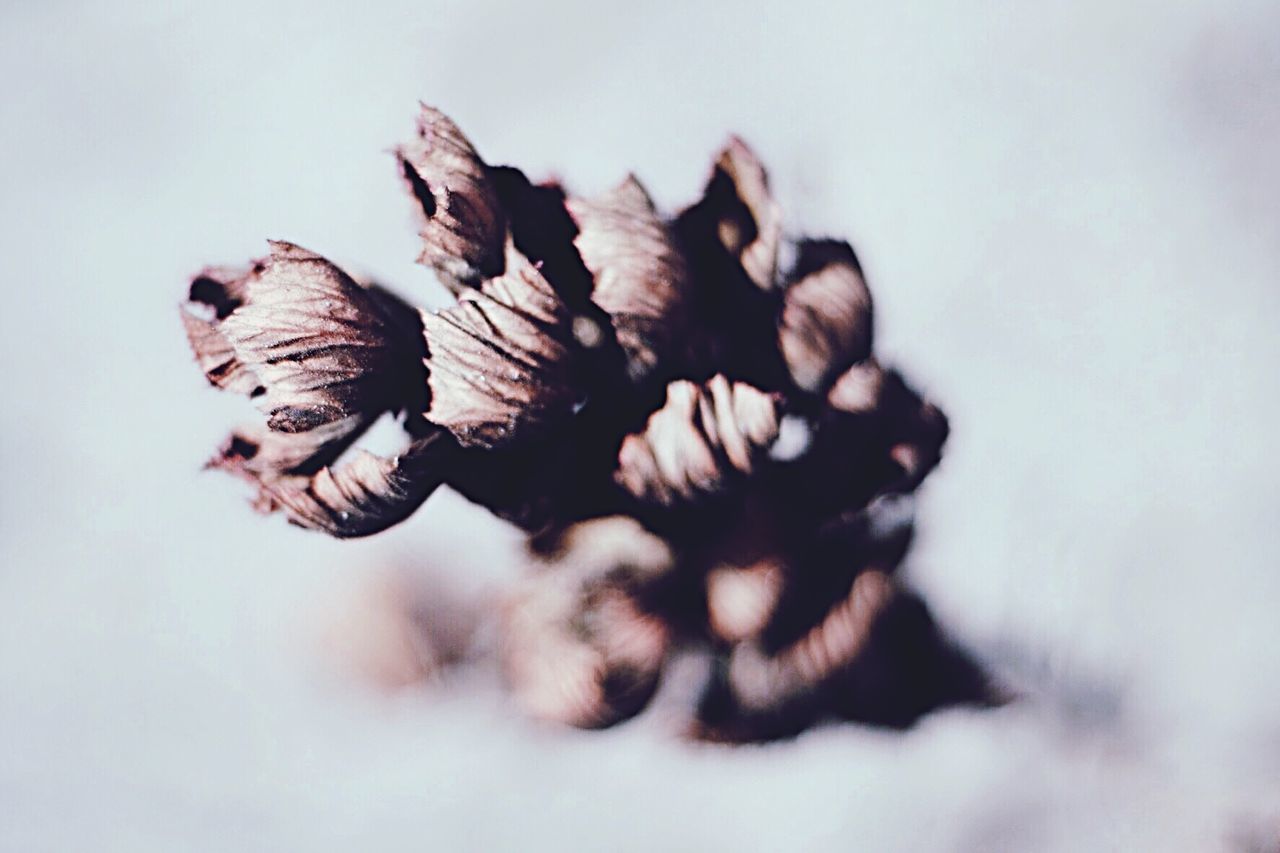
{"x":693,"y":429}
{"x":580,"y":644}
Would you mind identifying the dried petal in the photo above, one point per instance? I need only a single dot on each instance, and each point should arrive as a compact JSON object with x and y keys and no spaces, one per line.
{"x":463,"y":223}
{"x":826,"y":316}
{"x":362,"y":496}
{"x":579,"y":646}
{"x":499,"y":363}
{"x":640,"y":277}
{"x":741,"y":211}
{"x":321,"y":356}
{"x":697,"y":440}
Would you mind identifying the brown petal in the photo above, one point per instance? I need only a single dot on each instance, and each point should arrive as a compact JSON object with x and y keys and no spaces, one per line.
{"x":826,"y":316}
{"x":640,"y":277}
{"x":701,"y":437}
{"x":579,"y":647}
{"x":499,"y":362}
{"x":362,"y":496}
{"x":214,"y":293}
{"x":741,"y":214}
{"x":463,"y":223}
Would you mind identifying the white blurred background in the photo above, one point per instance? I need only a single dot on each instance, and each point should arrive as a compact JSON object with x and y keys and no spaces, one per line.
{"x":1069,"y":216}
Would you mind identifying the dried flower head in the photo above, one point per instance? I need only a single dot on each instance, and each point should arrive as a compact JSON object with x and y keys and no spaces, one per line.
{"x":694,"y":432}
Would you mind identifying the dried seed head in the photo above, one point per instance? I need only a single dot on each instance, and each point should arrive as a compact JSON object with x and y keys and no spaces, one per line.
{"x":579,"y":646}
{"x":826,"y":315}
{"x":641,"y":279}
{"x":499,"y":362}
{"x":463,"y":223}
{"x":700,"y":439}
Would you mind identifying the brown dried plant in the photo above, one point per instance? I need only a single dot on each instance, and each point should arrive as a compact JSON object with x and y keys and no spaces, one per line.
{"x":685,"y":415}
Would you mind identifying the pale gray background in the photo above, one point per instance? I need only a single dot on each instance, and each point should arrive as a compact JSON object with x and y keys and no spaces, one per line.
{"x":1068,"y":212}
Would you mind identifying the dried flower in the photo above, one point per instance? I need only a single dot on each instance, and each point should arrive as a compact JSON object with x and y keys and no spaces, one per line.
{"x":696,"y":435}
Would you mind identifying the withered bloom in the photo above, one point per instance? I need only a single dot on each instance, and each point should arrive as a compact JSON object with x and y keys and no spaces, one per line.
{"x":695,"y":433}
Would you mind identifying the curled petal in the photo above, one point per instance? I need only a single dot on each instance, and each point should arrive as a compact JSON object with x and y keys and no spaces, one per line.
{"x":700,"y":438}
{"x":364,"y":495}
{"x":499,"y":362}
{"x":826,"y":315}
{"x":740,"y":213}
{"x":762,"y":681}
{"x":641,"y":279}
{"x":463,"y":223}
{"x":579,"y":646}
{"x":320,"y":355}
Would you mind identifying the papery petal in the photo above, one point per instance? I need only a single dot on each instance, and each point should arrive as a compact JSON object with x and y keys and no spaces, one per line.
{"x":702,"y":437}
{"x":826,"y":316}
{"x":499,"y":363}
{"x":364,"y":495}
{"x":738,"y":211}
{"x":641,"y":279}
{"x":322,"y":346}
{"x":463,"y":222}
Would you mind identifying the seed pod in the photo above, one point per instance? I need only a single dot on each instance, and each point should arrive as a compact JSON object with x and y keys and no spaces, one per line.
{"x":697,"y":441}
{"x":826,"y":315}
{"x":580,"y":646}
{"x":463,"y":223}
{"x":640,"y":277}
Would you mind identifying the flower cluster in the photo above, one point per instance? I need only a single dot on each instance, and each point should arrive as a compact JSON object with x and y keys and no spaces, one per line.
{"x":685,"y":414}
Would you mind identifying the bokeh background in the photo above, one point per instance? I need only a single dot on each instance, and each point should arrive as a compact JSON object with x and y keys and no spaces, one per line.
{"x":1068,"y":213}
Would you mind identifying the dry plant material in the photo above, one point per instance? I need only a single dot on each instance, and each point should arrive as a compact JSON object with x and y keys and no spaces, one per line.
{"x":622,"y":385}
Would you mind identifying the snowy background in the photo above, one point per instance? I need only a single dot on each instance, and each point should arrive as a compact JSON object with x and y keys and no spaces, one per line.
{"x":1069,"y":216}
